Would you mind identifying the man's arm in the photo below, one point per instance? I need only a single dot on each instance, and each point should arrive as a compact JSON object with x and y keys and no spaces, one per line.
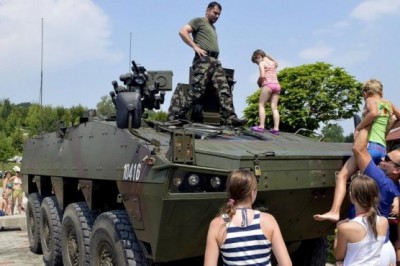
{"x":360,"y":151}
{"x":185,"y":34}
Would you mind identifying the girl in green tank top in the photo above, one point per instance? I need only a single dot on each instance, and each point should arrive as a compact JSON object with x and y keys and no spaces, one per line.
{"x":378,"y":114}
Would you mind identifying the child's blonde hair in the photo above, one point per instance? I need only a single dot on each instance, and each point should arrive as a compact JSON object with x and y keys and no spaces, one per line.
{"x":373,"y":86}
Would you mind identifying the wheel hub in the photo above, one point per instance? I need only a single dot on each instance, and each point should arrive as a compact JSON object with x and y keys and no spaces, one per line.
{"x":106,"y":255}
{"x":73,"y":250}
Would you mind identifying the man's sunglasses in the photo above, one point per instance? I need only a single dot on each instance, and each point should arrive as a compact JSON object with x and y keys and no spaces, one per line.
{"x":387,"y":159}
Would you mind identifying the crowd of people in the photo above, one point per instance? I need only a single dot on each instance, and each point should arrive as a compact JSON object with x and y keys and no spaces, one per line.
{"x":244,"y":236}
{"x":12,"y":192}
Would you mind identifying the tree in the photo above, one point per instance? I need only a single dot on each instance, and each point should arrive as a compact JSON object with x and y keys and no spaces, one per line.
{"x":41,"y":119}
{"x":6,"y":150}
{"x":105,"y":107}
{"x":349,"y":138}
{"x":13,"y":121}
{"x":333,"y":133}
{"x":157,"y":116}
{"x":17,"y":140}
{"x":311,"y":94}
{"x":76,"y":113}
{"x":5,"y":110}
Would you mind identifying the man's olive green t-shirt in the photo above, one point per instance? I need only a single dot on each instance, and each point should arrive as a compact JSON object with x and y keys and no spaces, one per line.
{"x":204,"y":34}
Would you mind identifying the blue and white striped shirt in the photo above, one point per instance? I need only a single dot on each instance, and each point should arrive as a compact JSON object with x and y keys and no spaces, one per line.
{"x":246,"y":245}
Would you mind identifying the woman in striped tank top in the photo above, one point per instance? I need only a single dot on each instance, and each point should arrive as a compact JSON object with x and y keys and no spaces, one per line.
{"x":244,"y":236}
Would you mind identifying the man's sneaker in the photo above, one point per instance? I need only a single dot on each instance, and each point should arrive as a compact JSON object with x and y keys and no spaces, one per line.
{"x":237,"y":122}
{"x":274,"y":132}
{"x":257,"y":129}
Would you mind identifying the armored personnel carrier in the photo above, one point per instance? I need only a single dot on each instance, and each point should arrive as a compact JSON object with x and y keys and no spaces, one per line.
{"x":131,"y":191}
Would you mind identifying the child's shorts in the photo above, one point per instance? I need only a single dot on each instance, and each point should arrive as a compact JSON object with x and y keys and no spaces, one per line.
{"x":274,"y":87}
{"x":377,"y":151}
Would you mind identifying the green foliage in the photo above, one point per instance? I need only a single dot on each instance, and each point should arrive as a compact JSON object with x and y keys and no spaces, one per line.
{"x":349,"y":138}
{"x":157,"y":116}
{"x":6,"y":150}
{"x":41,"y":119}
{"x":332,"y":133}
{"x":331,"y":254}
{"x":17,"y":140}
{"x":76,"y":113}
{"x":19,"y":122}
{"x":311,"y":94}
{"x":105,"y":107}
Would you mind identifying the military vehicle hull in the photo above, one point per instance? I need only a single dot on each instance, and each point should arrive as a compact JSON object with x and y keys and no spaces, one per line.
{"x":128,"y":191}
{"x":106,"y":168}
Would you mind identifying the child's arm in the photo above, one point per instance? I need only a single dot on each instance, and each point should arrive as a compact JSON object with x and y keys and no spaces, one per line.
{"x":261,"y":66}
{"x":394,"y":116}
{"x":371,"y":108}
{"x":396,"y":111}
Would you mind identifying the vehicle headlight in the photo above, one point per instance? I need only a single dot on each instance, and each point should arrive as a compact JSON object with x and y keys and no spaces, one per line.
{"x":193,"y":180}
{"x":177,"y":181}
{"x":215,"y":182}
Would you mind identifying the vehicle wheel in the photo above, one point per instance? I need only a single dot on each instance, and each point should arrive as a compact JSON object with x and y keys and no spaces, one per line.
{"x":33,"y":222}
{"x":76,"y":229}
{"x":50,"y":231}
{"x":113,"y":241}
{"x":312,"y":252}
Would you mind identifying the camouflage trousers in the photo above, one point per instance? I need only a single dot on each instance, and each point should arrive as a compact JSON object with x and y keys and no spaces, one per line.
{"x":206,"y":71}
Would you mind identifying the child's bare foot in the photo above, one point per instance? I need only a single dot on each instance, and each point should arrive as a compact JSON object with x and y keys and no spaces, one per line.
{"x":329,"y":216}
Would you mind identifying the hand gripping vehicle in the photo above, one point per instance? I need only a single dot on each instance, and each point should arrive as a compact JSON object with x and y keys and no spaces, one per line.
{"x":131,"y":191}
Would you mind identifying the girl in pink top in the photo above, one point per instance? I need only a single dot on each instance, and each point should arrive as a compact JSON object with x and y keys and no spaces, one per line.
{"x":270,"y":89}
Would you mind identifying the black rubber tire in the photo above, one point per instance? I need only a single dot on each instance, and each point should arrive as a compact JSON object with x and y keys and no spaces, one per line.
{"x":75,"y":234}
{"x":33,"y":222}
{"x":113,"y":241}
{"x":50,"y":231}
{"x":311,"y":252}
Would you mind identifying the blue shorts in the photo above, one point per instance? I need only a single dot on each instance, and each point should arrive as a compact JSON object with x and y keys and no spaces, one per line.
{"x":377,"y":151}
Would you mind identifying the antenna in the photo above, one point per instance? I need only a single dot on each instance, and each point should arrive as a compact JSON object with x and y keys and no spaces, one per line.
{"x":41,"y":72}
{"x":41,"y":81}
{"x":130,"y":51}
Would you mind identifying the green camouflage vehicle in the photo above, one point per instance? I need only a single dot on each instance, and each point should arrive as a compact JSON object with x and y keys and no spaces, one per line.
{"x":131,"y":191}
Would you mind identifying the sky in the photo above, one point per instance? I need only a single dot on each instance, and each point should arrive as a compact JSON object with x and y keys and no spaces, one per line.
{"x":87,"y":44}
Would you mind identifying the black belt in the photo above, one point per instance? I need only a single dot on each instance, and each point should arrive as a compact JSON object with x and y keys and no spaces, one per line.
{"x":209,"y":53}
{"x":213,"y":54}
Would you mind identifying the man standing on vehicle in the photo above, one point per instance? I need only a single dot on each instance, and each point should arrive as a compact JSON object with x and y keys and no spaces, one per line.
{"x":207,"y":69}
{"x":387,"y":176}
